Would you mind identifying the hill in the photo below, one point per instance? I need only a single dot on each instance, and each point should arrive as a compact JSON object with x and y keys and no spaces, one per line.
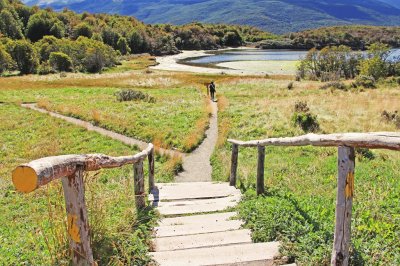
{"x":278,"y":16}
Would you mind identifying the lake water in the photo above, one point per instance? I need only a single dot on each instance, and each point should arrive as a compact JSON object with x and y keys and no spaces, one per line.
{"x":247,"y":55}
{"x":256,"y":55}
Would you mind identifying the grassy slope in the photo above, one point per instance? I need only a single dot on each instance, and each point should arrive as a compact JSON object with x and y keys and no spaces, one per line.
{"x":33,"y":225}
{"x":299,"y":207}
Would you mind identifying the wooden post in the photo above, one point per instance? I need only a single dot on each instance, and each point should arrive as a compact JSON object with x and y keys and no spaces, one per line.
{"x":139,"y":184}
{"x":344,"y":202}
{"x":78,"y":225}
{"x":234,"y":164}
{"x":151,"y":170}
{"x":260,"y":170}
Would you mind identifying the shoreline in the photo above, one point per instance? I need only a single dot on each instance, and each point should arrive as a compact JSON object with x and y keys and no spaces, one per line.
{"x":170,"y":63}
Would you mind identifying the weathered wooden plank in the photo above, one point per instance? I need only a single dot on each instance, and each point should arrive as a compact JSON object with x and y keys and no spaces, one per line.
{"x":202,"y":240}
{"x":241,"y":254}
{"x":234,"y":165}
{"x":260,"y":170}
{"x":28,"y":177}
{"x":195,"y":190}
{"x":78,"y":224}
{"x":197,"y":206}
{"x":344,"y":201}
{"x":151,"y":169}
{"x":139,"y":185}
{"x":376,"y":140}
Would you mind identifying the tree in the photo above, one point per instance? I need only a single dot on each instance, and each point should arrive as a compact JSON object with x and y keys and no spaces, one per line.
{"x":58,"y":30}
{"x":9,"y":25}
{"x":375,"y":64}
{"x":60,"y":62}
{"x":123,"y":46}
{"x":41,"y":24}
{"x":83,"y":29}
{"x":25,"y":56}
{"x":232,"y":38}
{"x":6,"y":61}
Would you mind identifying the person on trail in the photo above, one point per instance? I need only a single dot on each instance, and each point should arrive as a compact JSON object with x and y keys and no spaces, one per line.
{"x":212,"y":90}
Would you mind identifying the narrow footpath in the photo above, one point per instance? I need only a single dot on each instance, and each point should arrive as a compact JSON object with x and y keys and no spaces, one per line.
{"x":199,"y":225}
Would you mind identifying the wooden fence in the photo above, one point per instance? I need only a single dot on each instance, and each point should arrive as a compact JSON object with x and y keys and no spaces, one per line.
{"x":346,"y":143}
{"x":71,"y":168}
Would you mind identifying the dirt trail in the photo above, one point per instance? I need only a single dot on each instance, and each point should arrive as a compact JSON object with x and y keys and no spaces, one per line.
{"x":197,"y":165}
{"x":89,"y":126}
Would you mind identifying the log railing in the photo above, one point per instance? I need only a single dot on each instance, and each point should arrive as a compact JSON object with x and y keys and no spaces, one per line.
{"x":70,"y":168}
{"x":346,"y":143}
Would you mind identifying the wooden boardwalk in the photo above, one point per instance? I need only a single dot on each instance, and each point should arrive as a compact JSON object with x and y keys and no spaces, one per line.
{"x":200,"y":228}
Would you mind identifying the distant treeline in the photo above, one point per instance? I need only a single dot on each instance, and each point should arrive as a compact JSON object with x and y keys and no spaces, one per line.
{"x":355,"y":37}
{"x":23,"y":27}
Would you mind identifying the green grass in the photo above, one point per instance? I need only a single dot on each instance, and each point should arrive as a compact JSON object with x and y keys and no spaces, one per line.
{"x":32,"y":228}
{"x":298,"y":208}
{"x":172,"y":121}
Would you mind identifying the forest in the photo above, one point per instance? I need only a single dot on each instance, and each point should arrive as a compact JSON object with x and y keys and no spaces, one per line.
{"x":34,"y":40}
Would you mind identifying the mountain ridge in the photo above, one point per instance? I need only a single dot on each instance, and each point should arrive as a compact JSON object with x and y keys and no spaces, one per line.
{"x":278,"y":16}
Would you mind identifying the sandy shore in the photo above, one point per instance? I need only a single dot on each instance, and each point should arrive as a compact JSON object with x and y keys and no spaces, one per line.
{"x":170,"y":63}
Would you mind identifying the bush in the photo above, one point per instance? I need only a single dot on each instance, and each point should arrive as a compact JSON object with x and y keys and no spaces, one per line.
{"x":45,"y":68}
{"x":25,"y":56}
{"x":60,"y":62}
{"x":290,"y":86}
{"x":367,"y":82}
{"x":392,"y":117}
{"x":131,"y":95}
{"x":335,"y":85}
{"x":6,"y":62}
{"x":302,"y":117}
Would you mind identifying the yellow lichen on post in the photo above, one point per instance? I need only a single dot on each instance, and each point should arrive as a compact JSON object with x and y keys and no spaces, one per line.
{"x":350,"y":185}
{"x":25,"y":179}
{"x":73,"y":229}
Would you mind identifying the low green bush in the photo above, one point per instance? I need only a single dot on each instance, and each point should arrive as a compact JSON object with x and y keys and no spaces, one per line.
{"x":132,"y":95}
{"x":335,"y":85}
{"x":367,"y":82}
{"x":304,"y":118}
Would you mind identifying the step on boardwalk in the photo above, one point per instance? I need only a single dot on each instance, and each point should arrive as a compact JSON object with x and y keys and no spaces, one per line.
{"x":199,"y":229}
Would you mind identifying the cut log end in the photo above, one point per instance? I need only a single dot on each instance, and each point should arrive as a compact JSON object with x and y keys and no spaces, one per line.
{"x":25,"y":179}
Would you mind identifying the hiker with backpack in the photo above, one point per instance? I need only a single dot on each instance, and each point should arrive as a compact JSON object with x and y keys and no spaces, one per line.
{"x":211,"y":87}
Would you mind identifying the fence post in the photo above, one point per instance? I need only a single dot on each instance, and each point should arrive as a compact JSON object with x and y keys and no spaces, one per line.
{"x":78,"y":225}
{"x":344,"y":202}
{"x":139,"y":184}
{"x":234,"y":164}
{"x":260,"y":170}
{"x":151,"y":169}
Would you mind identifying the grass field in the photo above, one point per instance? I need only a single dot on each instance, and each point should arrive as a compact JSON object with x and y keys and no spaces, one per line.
{"x":298,"y":208}
{"x":33,"y":225}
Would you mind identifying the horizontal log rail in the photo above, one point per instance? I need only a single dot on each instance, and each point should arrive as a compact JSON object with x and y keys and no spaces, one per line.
{"x":346,"y":143}
{"x":70,"y":168}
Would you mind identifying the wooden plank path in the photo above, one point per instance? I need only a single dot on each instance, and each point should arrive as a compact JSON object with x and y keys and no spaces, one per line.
{"x":198,"y":229}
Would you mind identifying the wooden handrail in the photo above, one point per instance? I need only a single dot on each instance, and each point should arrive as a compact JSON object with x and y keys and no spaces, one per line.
{"x":374,"y":140}
{"x":346,"y":143}
{"x":70,"y":168}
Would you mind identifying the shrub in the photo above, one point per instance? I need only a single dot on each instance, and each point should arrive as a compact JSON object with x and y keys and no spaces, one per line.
{"x":335,"y":85}
{"x":392,"y":117}
{"x":45,"y":68}
{"x":60,"y":62}
{"x":302,"y":117}
{"x":367,"y":82}
{"x":290,"y":86}
{"x":131,"y":95}
{"x":6,"y":61}
{"x":364,"y":153}
{"x":25,"y":56}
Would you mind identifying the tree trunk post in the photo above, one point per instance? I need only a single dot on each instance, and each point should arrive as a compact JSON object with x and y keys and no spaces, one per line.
{"x":344,"y":202}
{"x":78,"y":225}
{"x":260,"y":170}
{"x":151,"y":170}
{"x":139,"y":185}
{"x":234,"y":164}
